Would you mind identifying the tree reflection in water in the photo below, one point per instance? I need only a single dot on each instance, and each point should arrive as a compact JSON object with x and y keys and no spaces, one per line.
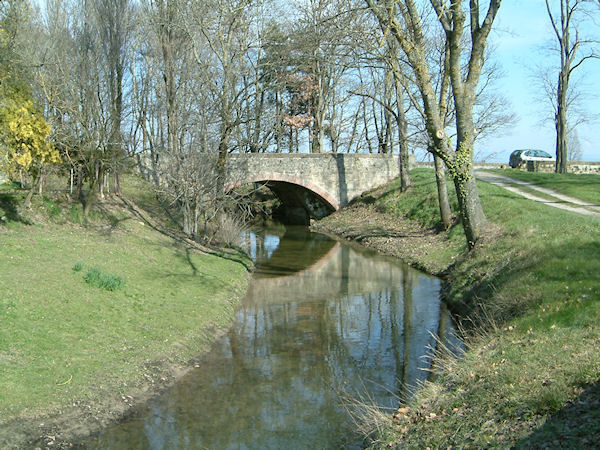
{"x":320,"y":319}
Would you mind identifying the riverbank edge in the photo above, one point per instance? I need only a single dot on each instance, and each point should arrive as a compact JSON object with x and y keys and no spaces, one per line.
{"x":394,"y":236}
{"x":82,"y":421}
{"x":63,"y":429}
{"x":499,"y":334}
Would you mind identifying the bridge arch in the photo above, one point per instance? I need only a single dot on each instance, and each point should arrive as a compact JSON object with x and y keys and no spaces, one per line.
{"x":329,"y":199}
{"x":312,"y":184}
{"x":301,"y":199}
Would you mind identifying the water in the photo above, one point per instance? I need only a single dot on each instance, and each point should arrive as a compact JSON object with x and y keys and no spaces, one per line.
{"x":321,"y":321}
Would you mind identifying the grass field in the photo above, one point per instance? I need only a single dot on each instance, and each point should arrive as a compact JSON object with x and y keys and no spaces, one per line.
{"x":65,"y":341}
{"x":582,"y":186}
{"x":530,"y":375}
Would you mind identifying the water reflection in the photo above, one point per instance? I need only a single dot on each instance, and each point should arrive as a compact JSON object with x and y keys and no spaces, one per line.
{"x":320,"y":319}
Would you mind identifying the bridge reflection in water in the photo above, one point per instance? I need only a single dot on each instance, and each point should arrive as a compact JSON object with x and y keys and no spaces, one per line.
{"x":321,"y":320}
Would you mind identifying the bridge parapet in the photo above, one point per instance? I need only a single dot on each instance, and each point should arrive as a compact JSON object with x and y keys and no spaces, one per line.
{"x":334,"y":179}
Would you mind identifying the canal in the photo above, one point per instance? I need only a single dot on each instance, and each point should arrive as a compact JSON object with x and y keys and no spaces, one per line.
{"x":322,"y":322}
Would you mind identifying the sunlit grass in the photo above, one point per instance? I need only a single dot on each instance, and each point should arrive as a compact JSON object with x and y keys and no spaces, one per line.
{"x":422,"y":203}
{"x":583,"y":186}
{"x":63,"y":339}
{"x":534,"y":293}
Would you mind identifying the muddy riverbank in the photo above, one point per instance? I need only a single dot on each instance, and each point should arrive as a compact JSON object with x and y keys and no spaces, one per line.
{"x":389,"y":235}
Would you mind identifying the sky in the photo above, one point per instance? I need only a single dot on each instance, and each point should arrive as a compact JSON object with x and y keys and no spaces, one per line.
{"x":522,"y":33}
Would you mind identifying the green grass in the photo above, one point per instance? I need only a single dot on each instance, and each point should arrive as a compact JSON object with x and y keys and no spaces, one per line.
{"x":532,"y":191}
{"x":95,"y":277}
{"x":9,"y":186}
{"x":534,"y":294}
{"x":63,"y":340}
{"x":582,"y":186}
{"x":422,"y":204}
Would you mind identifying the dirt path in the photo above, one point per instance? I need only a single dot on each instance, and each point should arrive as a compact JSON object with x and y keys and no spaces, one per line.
{"x":556,"y":199}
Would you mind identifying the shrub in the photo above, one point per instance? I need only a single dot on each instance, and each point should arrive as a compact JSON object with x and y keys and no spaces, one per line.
{"x":78,"y":266}
{"x":110,"y":282}
{"x":76,"y":214}
{"x":229,"y":230}
{"x":51,"y":207}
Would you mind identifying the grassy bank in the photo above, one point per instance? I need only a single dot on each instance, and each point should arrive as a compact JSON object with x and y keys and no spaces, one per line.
{"x":97,"y":318}
{"x":530,"y":375}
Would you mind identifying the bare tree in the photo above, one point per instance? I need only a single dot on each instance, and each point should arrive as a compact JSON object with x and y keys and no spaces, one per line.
{"x":81,"y":79}
{"x":114,"y":22}
{"x":574,"y":146}
{"x":17,"y":47}
{"x":318,"y":56}
{"x":382,"y":80}
{"x":404,"y":20}
{"x":401,"y":121}
{"x":172,"y":112}
{"x":221,"y":39}
{"x":193,"y":83}
{"x":574,"y":51}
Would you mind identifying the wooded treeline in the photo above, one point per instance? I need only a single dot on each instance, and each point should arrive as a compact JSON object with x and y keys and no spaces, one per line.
{"x":177,"y":85}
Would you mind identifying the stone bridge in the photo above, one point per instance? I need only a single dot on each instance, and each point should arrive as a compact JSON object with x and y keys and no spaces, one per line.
{"x":311,"y":186}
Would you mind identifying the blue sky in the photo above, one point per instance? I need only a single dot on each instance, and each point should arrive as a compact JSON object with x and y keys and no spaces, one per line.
{"x":521,"y":37}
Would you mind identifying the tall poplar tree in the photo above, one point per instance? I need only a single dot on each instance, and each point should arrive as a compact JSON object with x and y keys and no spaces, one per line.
{"x":574,"y":50}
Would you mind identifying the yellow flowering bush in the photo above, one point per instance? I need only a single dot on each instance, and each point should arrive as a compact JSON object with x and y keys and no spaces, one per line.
{"x":24,"y":143}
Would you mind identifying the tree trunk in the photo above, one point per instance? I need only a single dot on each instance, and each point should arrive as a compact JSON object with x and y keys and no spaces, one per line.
{"x":101,"y":185}
{"x":222,"y":160}
{"x":117,"y":186}
{"x":88,"y":200}
{"x":34,"y":185}
{"x":278,"y":132}
{"x":471,"y":212}
{"x":187,"y":218}
{"x":318,"y":126}
{"x":402,"y":132}
{"x":387,"y":114}
{"x":41,"y":181}
{"x":405,"y":181}
{"x":561,"y":125}
{"x":442,"y":190}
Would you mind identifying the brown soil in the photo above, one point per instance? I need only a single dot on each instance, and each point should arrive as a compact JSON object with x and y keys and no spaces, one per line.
{"x":394,"y":236}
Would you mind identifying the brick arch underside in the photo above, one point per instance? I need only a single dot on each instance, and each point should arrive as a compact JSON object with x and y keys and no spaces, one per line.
{"x":327,"y":198}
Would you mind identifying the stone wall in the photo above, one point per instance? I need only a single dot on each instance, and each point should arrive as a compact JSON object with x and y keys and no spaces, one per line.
{"x":547,"y":167}
{"x":337,"y":178}
{"x":584,"y":167}
{"x":572,"y":167}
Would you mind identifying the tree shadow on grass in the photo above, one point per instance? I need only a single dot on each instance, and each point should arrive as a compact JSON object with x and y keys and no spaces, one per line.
{"x":208,"y":282}
{"x":113,"y":219}
{"x":481,"y":295}
{"x":232,"y":254}
{"x":9,"y":210}
{"x":188,"y":259}
{"x":576,"y":425}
